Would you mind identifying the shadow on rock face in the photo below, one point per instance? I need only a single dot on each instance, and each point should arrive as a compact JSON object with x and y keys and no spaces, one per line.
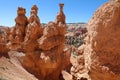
{"x":4,"y":50}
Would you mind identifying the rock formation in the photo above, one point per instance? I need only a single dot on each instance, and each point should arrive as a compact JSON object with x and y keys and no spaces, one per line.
{"x":45,"y":58}
{"x":17,"y":33}
{"x":1,"y":38}
{"x":21,"y":23}
{"x":34,"y":28}
{"x":78,"y":69}
{"x":7,"y":34}
{"x":45,"y":55}
{"x":60,"y":18}
{"x":102,"y":51}
{"x":3,"y":48}
{"x":99,"y":57}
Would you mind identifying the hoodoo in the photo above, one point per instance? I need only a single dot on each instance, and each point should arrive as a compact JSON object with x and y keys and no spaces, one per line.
{"x":45,"y":59}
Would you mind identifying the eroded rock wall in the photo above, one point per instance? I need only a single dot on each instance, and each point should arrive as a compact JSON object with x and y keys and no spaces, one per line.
{"x":102,"y":51}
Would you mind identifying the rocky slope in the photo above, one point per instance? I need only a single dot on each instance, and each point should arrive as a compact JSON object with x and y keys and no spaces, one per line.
{"x":11,"y":69}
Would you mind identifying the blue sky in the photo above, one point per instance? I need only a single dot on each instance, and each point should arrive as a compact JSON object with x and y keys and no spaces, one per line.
{"x":75,"y":10}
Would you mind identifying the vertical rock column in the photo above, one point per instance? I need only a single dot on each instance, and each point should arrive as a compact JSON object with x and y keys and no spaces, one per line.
{"x":34,"y":28}
{"x":17,"y":33}
{"x":21,"y":23}
{"x":46,"y":62}
{"x":52,"y":46}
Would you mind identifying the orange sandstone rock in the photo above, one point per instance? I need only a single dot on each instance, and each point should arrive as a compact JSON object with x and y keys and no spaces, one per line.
{"x":17,"y":33}
{"x":102,"y":50}
{"x":46,"y":60}
{"x":3,"y":48}
{"x":60,"y":18}
{"x":34,"y":29}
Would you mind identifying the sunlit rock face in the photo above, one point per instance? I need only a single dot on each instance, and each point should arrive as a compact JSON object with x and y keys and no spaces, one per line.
{"x":102,"y":51}
{"x":44,"y":57}
{"x":33,"y":31}
{"x":34,"y":28}
{"x":21,"y":23}
{"x":17,"y":33}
